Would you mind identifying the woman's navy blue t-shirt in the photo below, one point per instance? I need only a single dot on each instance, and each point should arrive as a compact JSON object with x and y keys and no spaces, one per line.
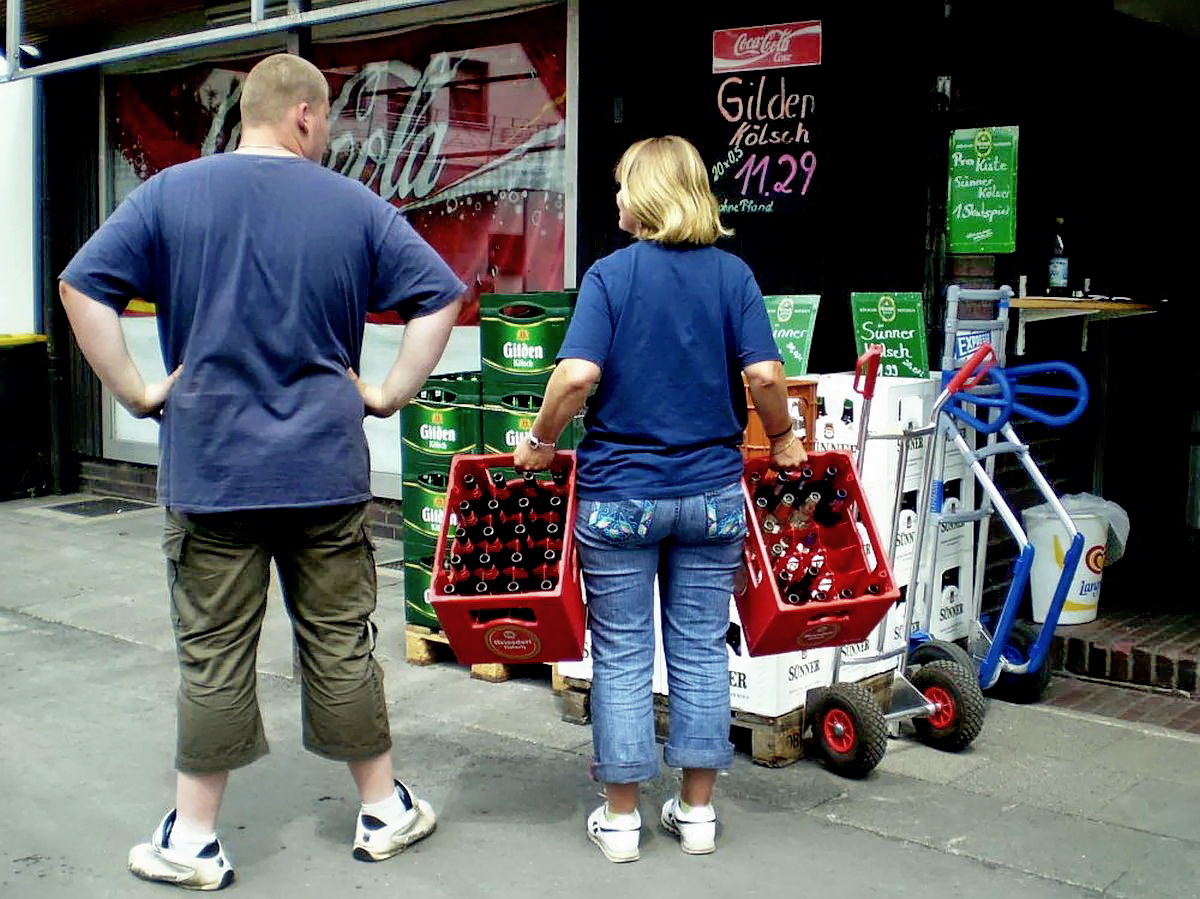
{"x":671,"y":328}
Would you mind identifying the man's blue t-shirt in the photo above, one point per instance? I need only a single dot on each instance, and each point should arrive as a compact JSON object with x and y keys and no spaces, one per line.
{"x":671,"y":329}
{"x":263,"y":269}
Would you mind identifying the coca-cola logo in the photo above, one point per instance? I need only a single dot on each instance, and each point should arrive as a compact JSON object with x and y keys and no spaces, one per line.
{"x":779,"y":45}
{"x":774,"y":41}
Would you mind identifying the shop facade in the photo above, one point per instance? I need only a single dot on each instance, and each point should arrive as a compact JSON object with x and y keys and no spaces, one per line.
{"x":496,"y":125}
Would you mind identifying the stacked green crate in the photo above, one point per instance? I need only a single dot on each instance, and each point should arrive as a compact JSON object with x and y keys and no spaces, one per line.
{"x":519,"y":335}
{"x":418,"y":575}
{"x":442,"y":420}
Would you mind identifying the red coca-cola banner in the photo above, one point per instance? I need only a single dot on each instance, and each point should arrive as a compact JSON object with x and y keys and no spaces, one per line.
{"x":766,"y":47}
{"x":462,"y":126}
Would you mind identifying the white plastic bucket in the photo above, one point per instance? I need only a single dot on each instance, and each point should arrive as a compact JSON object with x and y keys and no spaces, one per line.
{"x":1050,"y":543}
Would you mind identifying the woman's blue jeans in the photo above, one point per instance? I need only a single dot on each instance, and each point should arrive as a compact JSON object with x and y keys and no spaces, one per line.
{"x":693,"y":545}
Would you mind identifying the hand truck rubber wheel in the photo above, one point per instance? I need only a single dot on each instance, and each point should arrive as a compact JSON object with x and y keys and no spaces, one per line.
{"x":1027,"y":687}
{"x":960,"y":709}
{"x":850,"y":730}
{"x":932,"y":650}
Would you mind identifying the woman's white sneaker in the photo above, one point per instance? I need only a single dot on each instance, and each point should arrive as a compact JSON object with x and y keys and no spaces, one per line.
{"x":696,"y":828}
{"x":617,"y":838}
{"x":156,"y":860}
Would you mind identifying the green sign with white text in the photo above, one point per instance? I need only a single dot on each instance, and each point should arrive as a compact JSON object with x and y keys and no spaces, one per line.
{"x":896,"y":320}
{"x":792,"y":318}
{"x":981,"y":213}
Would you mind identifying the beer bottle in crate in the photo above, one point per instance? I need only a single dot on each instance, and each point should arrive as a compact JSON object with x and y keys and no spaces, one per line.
{"x":803,"y":516}
{"x":551,"y":539}
{"x":470,"y":488}
{"x":486,"y":574}
{"x":829,"y":513}
{"x":464,"y":547}
{"x":500,"y":487}
{"x":491,"y":544}
{"x":458,"y":573}
{"x":545,"y":575}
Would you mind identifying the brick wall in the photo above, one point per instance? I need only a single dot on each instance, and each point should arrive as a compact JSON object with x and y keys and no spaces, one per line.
{"x":386,"y":520}
{"x":130,"y":480}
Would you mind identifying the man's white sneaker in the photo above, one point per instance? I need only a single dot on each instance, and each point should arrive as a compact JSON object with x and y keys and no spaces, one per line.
{"x":156,"y":860}
{"x":618,"y":839}
{"x":697,"y":829}
{"x":376,"y":840}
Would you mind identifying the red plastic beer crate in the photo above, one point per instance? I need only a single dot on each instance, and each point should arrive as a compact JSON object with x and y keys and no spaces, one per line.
{"x":771,"y":625}
{"x":536,"y":626}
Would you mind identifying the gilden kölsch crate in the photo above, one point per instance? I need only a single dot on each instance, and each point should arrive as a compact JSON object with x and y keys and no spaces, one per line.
{"x":815,"y":572}
{"x":506,"y":584}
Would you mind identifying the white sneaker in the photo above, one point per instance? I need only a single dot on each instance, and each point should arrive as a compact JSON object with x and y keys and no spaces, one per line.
{"x":697,"y":830}
{"x":618,"y":839}
{"x":156,"y":860}
{"x":375,"y":840}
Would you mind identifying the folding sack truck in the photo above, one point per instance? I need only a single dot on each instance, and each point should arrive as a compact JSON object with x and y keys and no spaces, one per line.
{"x":941,"y":696}
{"x":1008,"y":656}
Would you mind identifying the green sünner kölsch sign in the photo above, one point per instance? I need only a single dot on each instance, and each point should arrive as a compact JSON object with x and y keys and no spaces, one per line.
{"x":792,"y":319}
{"x":981,"y":213}
{"x":896,"y":320}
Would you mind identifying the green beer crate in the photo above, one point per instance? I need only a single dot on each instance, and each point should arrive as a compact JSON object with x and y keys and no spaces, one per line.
{"x":418,"y":543}
{"x":442,"y":420}
{"x":423,"y":500}
{"x":418,"y":574}
{"x":508,"y":417}
{"x":519,"y":336}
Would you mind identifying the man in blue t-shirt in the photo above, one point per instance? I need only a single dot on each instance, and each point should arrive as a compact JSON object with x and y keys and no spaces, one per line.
{"x":263,"y":266}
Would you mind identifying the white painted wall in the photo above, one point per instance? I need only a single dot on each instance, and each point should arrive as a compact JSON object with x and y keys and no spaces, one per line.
{"x":18,"y":295}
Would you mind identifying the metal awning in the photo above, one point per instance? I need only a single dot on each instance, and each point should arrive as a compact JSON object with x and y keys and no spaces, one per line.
{"x":57,"y":23}
{"x":51,"y":20}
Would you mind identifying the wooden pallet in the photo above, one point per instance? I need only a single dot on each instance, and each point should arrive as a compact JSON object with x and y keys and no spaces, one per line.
{"x":426,"y":646}
{"x":773,"y":742}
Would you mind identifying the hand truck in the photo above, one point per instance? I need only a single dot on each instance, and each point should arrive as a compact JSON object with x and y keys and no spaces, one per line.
{"x":1008,"y":656}
{"x":941,"y":696}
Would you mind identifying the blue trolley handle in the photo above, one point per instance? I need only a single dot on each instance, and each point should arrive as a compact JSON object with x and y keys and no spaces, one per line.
{"x":1079,"y":392}
{"x":1000,"y":381}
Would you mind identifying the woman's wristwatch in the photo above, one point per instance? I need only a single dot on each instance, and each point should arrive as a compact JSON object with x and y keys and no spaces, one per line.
{"x":537,"y":444}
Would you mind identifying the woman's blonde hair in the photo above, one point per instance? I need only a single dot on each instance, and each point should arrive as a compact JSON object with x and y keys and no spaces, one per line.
{"x":666,"y":192}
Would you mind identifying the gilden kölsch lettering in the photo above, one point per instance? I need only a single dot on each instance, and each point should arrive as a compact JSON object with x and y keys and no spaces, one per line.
{"x":753,"y":105}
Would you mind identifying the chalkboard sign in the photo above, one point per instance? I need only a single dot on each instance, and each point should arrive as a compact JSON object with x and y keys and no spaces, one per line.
{"x":792,"y":318}
{"x":897,"y":320}
{"x":765,"y":155}
{"x":982,"y":209}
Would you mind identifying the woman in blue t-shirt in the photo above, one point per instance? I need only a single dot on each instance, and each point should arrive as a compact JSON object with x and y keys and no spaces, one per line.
{"x":664,"y":330}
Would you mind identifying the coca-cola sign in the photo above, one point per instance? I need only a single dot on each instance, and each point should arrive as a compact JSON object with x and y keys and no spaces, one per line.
{"x":767,"y":47}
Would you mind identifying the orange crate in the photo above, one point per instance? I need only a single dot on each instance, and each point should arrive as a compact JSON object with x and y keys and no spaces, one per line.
{"x":771,"y":625}
{"x":802,"y":400}
{"x":528,"y":626}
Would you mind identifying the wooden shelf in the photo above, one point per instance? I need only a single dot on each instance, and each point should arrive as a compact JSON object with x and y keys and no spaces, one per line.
{"x":1035,"y":309}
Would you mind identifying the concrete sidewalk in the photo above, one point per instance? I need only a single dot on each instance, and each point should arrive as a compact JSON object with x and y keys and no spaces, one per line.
{"x":1047,"y":802}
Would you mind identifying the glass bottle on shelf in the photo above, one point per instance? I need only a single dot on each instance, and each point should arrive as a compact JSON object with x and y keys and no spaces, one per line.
{"x":1057,"y":275}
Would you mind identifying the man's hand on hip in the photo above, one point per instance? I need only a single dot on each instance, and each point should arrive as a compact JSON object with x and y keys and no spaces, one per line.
{"x":154,"y":397}
{"x":373,"y":399}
